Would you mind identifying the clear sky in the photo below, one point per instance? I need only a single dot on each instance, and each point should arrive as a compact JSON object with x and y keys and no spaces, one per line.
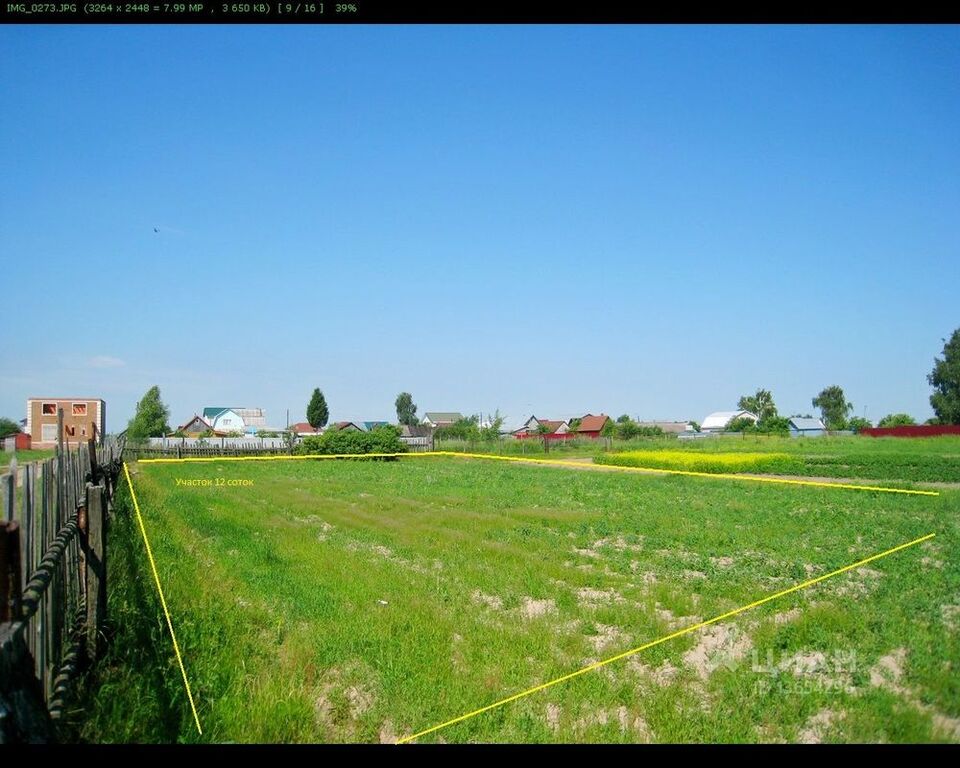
{"x":651,"y":220}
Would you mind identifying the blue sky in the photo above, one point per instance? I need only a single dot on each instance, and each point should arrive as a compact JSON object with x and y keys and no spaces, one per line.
{"x":651,"y":220}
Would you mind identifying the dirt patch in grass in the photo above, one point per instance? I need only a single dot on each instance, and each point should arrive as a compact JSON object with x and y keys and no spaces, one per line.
{"x":887,"y":673}
{"x":343,"y":695}
{"x":490,"y":601}
{"x":785,"y":617}
{"x":531,"y":608}
{"x":888,"y":670}
{"x":673,"y":621}
{"x":662,"y":676}
{"x":814,"y":666}
{"x":622,"y":716}
{"x":719,"y":645}
{"x":553,"y":717}
{"x":950,"y":615}
{"x":817,"y":727}
{"x":606,"y":635}
{"x":858,"y":583}
{"x":591,"y":597}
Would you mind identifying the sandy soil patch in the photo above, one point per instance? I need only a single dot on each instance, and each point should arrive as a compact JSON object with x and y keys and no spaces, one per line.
{"x":530,"y":608}
{"x":950,"y":614}
{"x":606,"y":635}
{"x":490,"y":601}
{"x":553,"y":717}
{"x":817,"y":727}
{"x":719,"y":645}
{"x":591,"y":597}
{"x":662,"y":676}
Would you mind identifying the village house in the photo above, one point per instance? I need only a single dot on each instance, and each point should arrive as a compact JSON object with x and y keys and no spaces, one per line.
{"x":439,"y":419}
{"x":83,"y":418}
{"x":198,"y":426}
{"x":303,"y":429}
{"x":591,"y":426}
{"x":534,"y":427}
{"x":227,"y":420}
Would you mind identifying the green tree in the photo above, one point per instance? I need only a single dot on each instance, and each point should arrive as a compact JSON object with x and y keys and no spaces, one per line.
{"x":609,"y":429}
{"x":317,"y":411}
{"x":760,"y":404}
{"x":151,"y":417}
{"x":897,"y":420}
{"x":833,"y":406}
{"x":858,"y":423}
{"x":8,"y":427}
{"x":945,"y":380}
{"x":740,"y":424}
{"x":624,"y":419}
{"x":406,"y":409}
{"x":772,"y":425}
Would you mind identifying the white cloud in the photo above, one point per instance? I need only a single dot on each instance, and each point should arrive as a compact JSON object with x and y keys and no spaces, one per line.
{"x":105,"y":361}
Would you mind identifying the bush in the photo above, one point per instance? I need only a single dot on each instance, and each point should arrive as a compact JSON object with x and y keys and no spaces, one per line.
{"x":385,"y":439}
{"x":897,"y":420}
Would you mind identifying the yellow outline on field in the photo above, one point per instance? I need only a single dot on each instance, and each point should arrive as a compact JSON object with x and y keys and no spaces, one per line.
{"x":163,"y":602}
{"x":549,"y":462}
{"x":665,"y":638}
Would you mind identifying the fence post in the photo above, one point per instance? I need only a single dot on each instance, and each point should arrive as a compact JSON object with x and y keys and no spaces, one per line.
{"x":9,"y":571}
{"x":8,"y":497}
{"x":96,"y":568}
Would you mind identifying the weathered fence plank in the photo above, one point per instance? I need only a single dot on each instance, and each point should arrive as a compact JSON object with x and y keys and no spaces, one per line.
{"x":9,"y":571}
{"x":96,"y":557}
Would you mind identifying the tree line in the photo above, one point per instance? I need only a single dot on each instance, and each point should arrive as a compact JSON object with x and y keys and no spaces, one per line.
{"x":152,"y":416}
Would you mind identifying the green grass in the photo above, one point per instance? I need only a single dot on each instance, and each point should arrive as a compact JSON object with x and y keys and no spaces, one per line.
{"x":24,"y":456}
{"x":354,"y":601}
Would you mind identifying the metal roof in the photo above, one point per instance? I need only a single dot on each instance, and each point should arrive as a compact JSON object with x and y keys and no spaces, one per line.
{"x":436,"y":416}
{"x":802,"y":425}
{"x":720,"y":419}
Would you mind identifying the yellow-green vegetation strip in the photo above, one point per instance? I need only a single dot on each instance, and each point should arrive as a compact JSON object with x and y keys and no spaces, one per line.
{"x":696,"y":461}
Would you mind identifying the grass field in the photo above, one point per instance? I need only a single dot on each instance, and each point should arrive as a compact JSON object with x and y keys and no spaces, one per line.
{"x":364,"y":601}
{"x":24,"y":456}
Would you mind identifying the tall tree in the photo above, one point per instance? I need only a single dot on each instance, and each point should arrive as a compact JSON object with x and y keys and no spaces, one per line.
{"x":833,"y":406}
{"x":8,"y":427}
{"x":151,"y":418}
{"x":761,"y":404}
{"x":945,"y":380}
{"x":406,"y":409}
{"x":317,"y":411}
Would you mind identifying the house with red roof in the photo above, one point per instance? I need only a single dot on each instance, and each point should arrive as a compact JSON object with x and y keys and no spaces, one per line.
{"x":591,"y":426}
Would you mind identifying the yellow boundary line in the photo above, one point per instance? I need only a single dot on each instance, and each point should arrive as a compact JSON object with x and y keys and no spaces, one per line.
{"x":163,"y":602}
{"x":632,"y":651}
{"x":549,"y":462}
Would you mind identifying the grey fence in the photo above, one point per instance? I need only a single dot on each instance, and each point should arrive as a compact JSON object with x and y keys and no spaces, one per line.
{"x":52,"y":582}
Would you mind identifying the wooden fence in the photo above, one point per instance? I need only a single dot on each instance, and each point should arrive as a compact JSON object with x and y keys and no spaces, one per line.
{"x":53,"y":553}
{"x":144,"y":451}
